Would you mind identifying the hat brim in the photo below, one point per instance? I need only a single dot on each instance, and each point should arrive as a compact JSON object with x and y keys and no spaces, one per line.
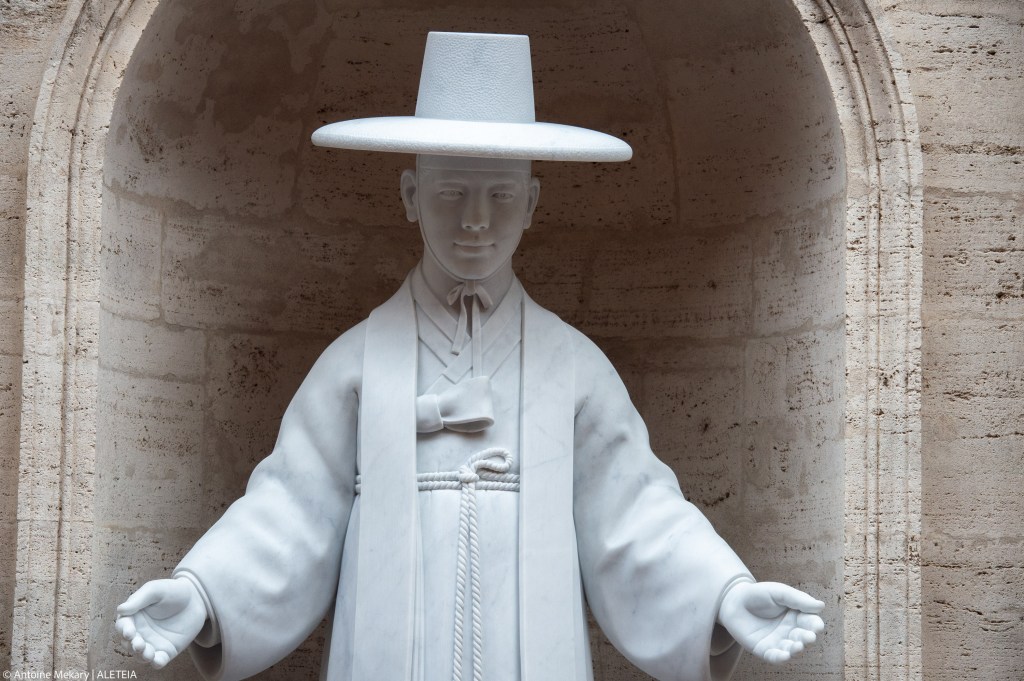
{"x":482,"y":139}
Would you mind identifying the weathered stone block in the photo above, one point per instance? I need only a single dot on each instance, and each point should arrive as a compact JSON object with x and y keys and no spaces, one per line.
{"x":975,"y":255}
{"x":798,"y":271}
{"x":964,"y":66}
{"x":974,"y":620}
{"x":252,"y":378}
{"x":152,"y":349}
{"x":148,"y":440}
{"x":694,"y":285}
{"x":131,"y":253}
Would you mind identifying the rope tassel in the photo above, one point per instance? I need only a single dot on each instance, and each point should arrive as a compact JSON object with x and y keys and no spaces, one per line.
{"x":496,"y":460}
{"x":485,"y":470}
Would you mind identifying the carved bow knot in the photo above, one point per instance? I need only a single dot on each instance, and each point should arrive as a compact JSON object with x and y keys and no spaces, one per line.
{"x":465,"y":407}
{"x":480,"y":299}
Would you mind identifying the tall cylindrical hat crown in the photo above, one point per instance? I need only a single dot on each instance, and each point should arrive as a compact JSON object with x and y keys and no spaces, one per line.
{"x":476,"y":77}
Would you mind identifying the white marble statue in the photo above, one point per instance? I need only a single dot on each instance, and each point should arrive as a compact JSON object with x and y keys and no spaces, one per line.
{"x":460,"y":473}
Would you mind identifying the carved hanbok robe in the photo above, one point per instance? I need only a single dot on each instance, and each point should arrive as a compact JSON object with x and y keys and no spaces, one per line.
{"x":452,"y":497}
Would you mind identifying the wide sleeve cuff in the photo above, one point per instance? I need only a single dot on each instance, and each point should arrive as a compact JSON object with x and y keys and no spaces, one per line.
{"x":206,"y":650}
{"x":209,"y":635}
{"x":725,"y":650}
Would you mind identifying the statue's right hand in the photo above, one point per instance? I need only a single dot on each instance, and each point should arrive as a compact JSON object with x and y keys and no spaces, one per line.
{"x":160,"y":619}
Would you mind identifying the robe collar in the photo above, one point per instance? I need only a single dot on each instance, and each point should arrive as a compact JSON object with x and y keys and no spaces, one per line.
{"x":440,"y":329}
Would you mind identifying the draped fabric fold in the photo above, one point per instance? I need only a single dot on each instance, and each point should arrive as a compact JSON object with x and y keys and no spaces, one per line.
{"x":547,"y":536}
{"x":388,"y":528}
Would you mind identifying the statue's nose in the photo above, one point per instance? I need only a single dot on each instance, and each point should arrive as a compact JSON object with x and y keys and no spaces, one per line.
{"x":476,"y":216}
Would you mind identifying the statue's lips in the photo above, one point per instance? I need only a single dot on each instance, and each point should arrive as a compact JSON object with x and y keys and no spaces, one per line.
{"x":473,"y":247}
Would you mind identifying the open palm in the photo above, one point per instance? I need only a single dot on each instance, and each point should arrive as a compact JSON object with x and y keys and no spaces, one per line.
{"x":771,"y":620}
{"x":160,"y":619}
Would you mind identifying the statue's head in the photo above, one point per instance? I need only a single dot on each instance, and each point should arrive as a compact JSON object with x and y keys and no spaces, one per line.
{"x":474,"y":134}
{"x":472,"y":211}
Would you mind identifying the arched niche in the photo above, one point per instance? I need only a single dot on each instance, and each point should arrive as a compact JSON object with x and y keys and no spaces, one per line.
{"x":714,"y":269}
{"x":710,"y":268}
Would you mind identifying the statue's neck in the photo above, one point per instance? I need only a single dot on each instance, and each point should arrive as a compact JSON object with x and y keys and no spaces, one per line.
{"x":440,"y":283}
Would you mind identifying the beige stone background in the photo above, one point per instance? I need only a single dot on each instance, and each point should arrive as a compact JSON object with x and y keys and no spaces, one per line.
{"x":717,"y":270}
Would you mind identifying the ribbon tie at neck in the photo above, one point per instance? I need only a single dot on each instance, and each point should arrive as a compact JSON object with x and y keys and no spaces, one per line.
{"x":479,"y":298}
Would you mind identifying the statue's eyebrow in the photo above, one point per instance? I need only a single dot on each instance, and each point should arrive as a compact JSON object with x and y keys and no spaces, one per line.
{"x":504,"y":184}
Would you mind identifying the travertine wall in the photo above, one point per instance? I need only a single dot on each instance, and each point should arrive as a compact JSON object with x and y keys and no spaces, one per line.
{"x":966,"y":63}
{"x":26,"y":40}
{"x":710,"y":269}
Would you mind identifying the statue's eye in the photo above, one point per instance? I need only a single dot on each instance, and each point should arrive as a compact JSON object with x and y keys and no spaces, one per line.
{"x":503,"y":196}
{"x":450,"y":194}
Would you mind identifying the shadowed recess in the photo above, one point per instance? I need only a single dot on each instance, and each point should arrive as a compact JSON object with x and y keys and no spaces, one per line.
{"x":709,"y":268}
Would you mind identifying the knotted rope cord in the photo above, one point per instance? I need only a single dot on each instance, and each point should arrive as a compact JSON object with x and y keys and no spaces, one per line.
{"x":486,"y":470}
{"x":473,"y":290}
{"x":432,"y":482}
{"x":497,"y":460}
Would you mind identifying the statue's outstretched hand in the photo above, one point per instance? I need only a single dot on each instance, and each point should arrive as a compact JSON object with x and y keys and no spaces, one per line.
{"x":160,"y":619}
{"x":771,"y":620}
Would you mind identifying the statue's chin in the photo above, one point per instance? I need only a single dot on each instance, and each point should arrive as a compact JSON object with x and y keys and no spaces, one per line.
{"x":470,"y":262}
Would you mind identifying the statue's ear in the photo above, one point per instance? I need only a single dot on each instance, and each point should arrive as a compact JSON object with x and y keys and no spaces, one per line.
{"x":534,"y":190}
{"x":412,"y":213}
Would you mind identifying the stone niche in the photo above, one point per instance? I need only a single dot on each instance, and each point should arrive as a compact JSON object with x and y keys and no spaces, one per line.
{"x":710,"y":268}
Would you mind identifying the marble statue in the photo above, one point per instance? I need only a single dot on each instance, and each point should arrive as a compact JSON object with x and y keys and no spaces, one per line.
{"x":462,"y":472}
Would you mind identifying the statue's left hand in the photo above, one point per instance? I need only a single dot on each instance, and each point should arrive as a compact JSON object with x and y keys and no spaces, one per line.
{"x":771,"y":620}
{"x":160,"y":619}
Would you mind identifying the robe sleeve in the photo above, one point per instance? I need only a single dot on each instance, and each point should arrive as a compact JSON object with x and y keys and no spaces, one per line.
{"x":269,"y":567}
{"x":654,"y":570}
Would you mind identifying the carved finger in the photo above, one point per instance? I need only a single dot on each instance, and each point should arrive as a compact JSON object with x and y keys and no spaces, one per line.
{"x":138,"y":643}
{"x":161,"y":659}
{"x":810,"y":622}
{"x":788,"y":597}
{"x":776,"y":656}
{"x":126,"y":627}
{"x":149,"y":653}
{"x":802,"y":635}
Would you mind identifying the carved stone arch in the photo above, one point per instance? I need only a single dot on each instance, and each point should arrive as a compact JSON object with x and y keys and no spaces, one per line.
{"x":51,"y":619}
{"x":52,"y":625}
{"x":884,"y":236}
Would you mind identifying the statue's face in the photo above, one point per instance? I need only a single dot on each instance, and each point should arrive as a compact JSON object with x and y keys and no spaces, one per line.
{"x":472,"y":217}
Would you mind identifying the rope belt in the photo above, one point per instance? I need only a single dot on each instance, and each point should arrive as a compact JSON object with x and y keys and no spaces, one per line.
{"x":485,"y":470}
